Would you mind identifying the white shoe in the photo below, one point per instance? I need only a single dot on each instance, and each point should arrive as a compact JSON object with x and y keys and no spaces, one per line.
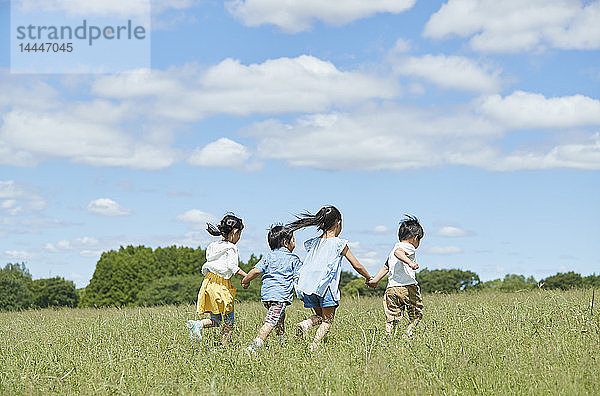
{"x":302,"y":330}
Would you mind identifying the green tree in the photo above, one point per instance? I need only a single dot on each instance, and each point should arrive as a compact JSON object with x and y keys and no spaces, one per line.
{"x":357,"y":287}
{"x":121,"y":275}
{"x":171,"y":290}
{"x":53,"y":292}
{"x":447,"y":281}
{"x":345,"y":278}
{"x":511,"y":282}
{"x":15,"y":291}
{"x":591,"y":281}
{"x":564,"y":281}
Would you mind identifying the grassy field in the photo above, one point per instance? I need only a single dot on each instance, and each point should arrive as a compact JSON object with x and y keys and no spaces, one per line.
{"x":539,"y":342}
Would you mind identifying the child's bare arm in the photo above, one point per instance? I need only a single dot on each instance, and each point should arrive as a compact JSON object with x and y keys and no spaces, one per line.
{"x":401,"y":255}
{"x":241,"y":273}
{"x":254,"y":272}
{"x":382,"y":272}
{"x":358,"y":267}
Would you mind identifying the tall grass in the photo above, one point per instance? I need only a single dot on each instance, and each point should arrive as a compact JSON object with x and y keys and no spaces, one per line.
{"x":537,"y":342}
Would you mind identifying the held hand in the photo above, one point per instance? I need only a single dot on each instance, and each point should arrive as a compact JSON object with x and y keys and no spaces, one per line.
{"x":414,"y":266}
{"x":245,"y":285}
{"x":371,"y":283}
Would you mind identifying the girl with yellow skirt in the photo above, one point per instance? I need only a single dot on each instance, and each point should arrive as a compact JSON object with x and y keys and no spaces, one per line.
{"x":216,"y":294}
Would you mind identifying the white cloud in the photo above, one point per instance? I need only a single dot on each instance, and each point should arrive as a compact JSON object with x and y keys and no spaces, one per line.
{"x":89,"y":8}
{"x":88,"y":133}
{"x":20,"y":255}
{"x":444,"y":250}
{"x":302,"y":84}
{"x":455,"y":72}
{"x":371,"y":139}
{"x":526,"y":110}
{"x":516,"y":26}
{"x":367,"y":257}
{"x":583,"y":154}
{"x":17,"y":199}
{"x":74,"y":244}
{"x":452,"y":232}
{"x":107,"y":207}
{"x":221,"y":153}
{"x":297,"y":16}
{"x":196,"y":218}
{"x":380,"y":229}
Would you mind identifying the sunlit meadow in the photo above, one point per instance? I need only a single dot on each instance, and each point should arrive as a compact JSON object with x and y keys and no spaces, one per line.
{"x":537,"y":342}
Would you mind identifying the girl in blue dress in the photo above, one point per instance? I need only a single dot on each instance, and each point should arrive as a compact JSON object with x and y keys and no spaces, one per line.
{"x":319,"y":276}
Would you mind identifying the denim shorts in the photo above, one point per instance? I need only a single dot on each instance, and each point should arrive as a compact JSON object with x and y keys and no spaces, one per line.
{"x":229,"y":318}
{"x":314,"y":301}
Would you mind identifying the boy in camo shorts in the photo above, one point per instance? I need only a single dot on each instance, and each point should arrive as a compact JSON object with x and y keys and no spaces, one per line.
{"x":402,"y":291}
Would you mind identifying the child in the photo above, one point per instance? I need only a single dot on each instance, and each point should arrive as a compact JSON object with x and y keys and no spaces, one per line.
{"x":279,"y":269}
{"x":216,"y":294}
{"x":319,"y":277}
{"x":402,"y":289}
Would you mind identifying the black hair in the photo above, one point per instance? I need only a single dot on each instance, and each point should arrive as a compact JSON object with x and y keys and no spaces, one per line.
{"x":409,"y":228}
{"x":325,"y":218}
{"x":228,"y":224}
{"x":279,"y":235}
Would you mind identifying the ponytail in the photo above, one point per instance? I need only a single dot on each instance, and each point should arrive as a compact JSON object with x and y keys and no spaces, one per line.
{"x":325,"y":219}
{"x":228,"y":224}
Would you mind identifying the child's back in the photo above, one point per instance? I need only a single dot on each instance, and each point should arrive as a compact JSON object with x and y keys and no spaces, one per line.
{"x":322,"y":266}
{"x":400,"y":273}
{"x":279,"y":268}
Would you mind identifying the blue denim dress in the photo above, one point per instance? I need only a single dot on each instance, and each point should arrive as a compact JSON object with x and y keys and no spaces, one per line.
{"x":322,"y":267}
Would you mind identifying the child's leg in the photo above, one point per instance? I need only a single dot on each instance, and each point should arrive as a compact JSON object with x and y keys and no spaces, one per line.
{"x":274,"y":315}
{"x":327,"y":319}
{"x":393,"y":308}
{"x":414,"y":307}
{"x":316,"y":319}
{"x":229,"y":319}
{"x":280,"y":328}
{"x":209,"y":323}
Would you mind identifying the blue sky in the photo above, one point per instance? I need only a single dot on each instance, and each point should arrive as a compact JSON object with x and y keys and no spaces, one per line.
{"x":482,"y":118}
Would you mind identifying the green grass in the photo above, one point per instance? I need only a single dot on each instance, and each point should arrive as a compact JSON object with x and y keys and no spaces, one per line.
{"x":538,"y":342}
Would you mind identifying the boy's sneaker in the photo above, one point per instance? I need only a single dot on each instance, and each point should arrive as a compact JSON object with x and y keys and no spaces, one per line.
{"x":407,"y":334}
{"x":195,"y":328}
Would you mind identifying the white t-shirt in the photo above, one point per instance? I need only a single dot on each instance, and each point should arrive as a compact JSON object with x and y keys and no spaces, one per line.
{"x":221,"y":259}
{"x":400,"y":273}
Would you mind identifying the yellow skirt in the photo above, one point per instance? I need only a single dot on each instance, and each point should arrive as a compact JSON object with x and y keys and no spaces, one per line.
{"x":216,"y":295}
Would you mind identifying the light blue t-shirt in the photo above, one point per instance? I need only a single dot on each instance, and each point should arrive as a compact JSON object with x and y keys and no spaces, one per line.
{"x":279,"y":268}
{"x":322,"y":267}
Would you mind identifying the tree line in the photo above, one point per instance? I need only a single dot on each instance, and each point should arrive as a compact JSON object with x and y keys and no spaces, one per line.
{"x":141,"y":276}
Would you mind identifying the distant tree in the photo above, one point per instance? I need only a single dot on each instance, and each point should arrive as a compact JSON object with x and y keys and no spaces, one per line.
{"x":345,"y":278}
{"x":447,"y":281}
{"x":171,"y":290}
{"x":120,"y":275}
{"x":252,"y":261}
{"x":511,"y":282}
{"x":15,"y":292}
{"x":357,"y":287}
{"x":564,"y":281}
{"x":53,"y":292}
{"x":591,"y":281}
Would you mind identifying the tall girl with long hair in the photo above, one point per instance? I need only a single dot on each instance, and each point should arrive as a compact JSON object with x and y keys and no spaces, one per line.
{"x":319,"y":276}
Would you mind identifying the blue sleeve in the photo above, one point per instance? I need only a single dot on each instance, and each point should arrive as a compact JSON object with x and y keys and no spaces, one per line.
{"x":262,"y":265}
{"x":296,"y":264}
